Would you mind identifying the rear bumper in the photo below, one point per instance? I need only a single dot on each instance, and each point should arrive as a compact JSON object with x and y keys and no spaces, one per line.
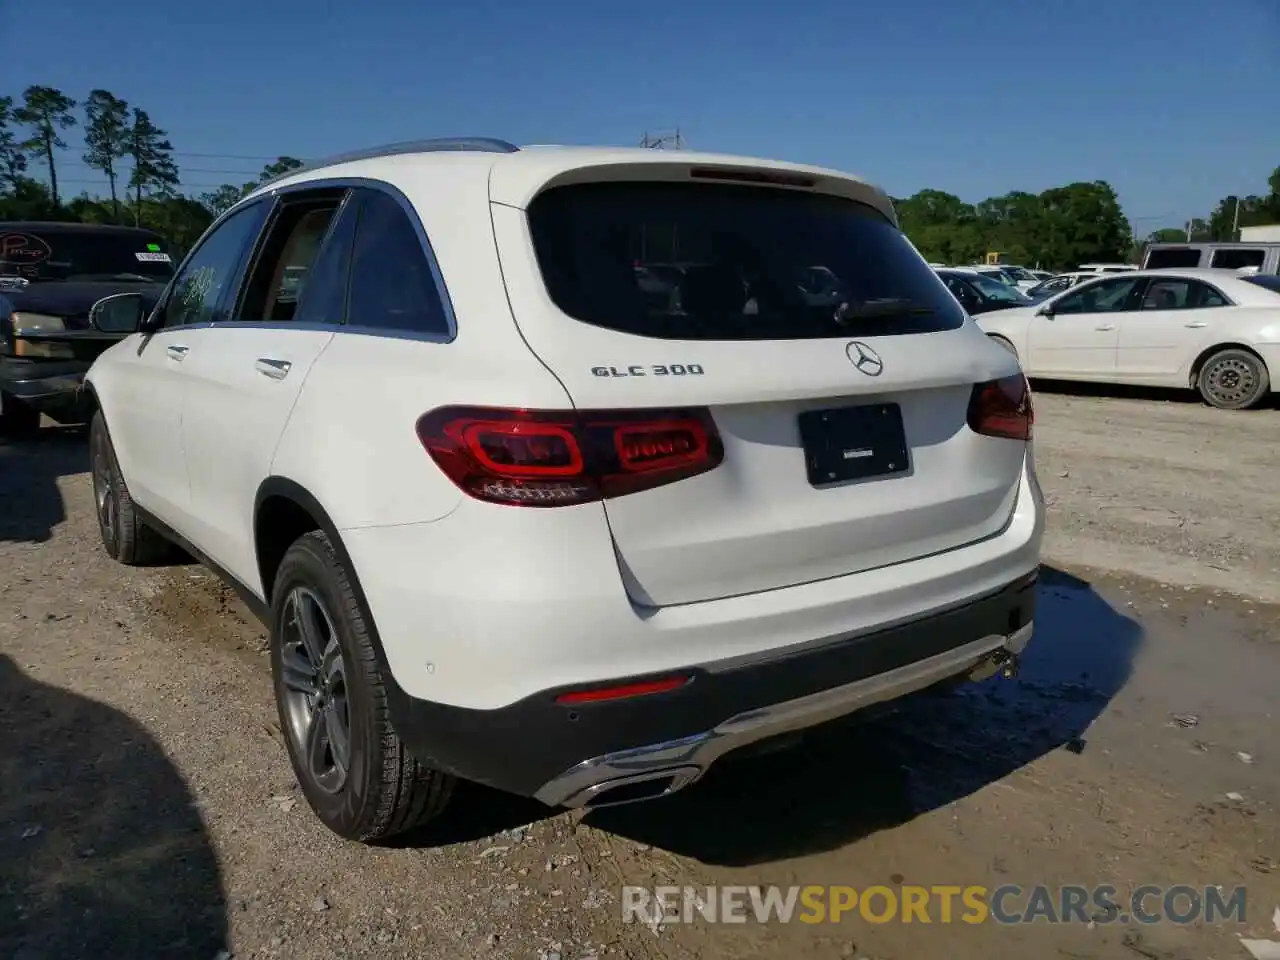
{"x":491,"y":605}
{"x":640,"y":747}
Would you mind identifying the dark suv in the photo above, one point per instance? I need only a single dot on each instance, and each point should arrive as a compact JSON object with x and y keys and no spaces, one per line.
{"x":51,"y":274}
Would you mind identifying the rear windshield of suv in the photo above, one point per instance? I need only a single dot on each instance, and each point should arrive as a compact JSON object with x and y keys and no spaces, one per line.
{"x":754,"y":263}
{"x":52,"y":253}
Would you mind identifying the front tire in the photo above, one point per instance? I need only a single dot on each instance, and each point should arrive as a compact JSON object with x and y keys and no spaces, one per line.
{"x":124,"y":536}
{"x":355,"y":772}
{"x":1233,"y":379}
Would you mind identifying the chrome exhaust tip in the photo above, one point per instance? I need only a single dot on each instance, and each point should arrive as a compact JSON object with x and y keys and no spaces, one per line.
{"x":999,"y":661}
{"x":634,"y":789}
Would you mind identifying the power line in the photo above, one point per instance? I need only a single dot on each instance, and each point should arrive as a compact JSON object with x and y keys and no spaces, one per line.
{"x":248,"y":173}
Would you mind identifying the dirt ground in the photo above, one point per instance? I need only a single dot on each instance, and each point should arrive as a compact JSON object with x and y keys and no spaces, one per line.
{"x":147,"y":808}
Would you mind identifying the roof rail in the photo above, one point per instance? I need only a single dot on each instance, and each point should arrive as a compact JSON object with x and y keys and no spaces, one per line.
{"x":436,"y":145}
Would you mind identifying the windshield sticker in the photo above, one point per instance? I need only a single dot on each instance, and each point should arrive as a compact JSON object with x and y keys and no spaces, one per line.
{"x":23,"y":249}
{"x":153,"y":257}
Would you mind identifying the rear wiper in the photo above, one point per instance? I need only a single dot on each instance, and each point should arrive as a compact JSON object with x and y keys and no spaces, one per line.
{"x":880,"y":307}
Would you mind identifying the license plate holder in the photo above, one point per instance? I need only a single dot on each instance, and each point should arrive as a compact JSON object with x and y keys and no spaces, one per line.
{"x":853,"y":443}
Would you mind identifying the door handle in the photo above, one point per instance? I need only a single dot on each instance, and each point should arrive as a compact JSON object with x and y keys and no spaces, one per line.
{"x":270,"y":367}
{"x":1105,"y":326}
{"x":1196,"y":324}
{"x":176,"y":352}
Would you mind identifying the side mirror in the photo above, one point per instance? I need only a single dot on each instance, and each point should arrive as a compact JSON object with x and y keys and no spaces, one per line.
{"x":1045,"y":311}
{"x":118,"y":313}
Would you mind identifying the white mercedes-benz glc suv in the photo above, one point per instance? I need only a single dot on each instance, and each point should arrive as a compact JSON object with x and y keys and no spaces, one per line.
{"x":569,"y":470}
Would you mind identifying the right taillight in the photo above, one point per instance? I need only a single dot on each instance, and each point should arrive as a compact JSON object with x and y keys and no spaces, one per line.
{"x":552,"y":458}
{"x":1002,"y":408}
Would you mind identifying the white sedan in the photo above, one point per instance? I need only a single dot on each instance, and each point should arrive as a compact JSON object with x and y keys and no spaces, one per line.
{"x":1206,"y":330}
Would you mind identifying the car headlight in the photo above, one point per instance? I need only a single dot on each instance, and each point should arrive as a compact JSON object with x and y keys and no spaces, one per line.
{"x":24,"y":322}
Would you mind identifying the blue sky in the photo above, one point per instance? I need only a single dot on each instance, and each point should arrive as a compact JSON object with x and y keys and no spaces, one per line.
{"x":1175,"y":103}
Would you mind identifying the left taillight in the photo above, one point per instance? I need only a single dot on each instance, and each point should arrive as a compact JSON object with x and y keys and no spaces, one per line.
{"x":550,"y":458}
{"x":1002,"y":408}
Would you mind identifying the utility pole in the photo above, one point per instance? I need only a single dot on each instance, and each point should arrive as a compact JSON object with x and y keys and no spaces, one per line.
{"x":662,"y":141}
{"x":1235,"y":223}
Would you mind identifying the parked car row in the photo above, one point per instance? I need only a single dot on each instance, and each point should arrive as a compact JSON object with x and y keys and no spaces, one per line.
{"x":1209,"y":330}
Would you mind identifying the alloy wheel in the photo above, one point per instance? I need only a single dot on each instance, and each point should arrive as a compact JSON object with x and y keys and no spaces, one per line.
{"x":315,"y":690}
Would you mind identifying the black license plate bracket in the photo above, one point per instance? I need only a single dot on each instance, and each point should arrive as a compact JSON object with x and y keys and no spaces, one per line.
{"x":853,"y":443}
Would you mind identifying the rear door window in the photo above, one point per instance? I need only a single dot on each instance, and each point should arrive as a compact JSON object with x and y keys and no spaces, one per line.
{"x":283,"y":264}
{"x":1181,"y":294}
{"x":755,"y":263}
{"x":1237,"y":258}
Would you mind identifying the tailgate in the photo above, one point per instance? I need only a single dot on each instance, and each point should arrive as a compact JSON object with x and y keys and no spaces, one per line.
{"x":807,"y":489}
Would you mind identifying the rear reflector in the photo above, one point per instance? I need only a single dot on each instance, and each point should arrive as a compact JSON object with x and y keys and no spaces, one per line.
{"x":623,"y":691}
{"x":550,"y":458}
{"x":1002,"y":408}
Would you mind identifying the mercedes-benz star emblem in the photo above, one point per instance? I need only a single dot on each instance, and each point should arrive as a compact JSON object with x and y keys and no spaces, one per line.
{"x":864,"y":358}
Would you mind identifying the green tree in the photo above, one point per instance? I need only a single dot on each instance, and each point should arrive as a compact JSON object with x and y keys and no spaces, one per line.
{"x":942,"y":226}
{"x":46,"y":110}
{"x":13,"y":161}
{"x":87,"y":209}
{"x":107,"y":137}
{"x":278,"y":168}
{"x":154,"y":169}
{"x":28,"y":200}
{"x":216,"y":201}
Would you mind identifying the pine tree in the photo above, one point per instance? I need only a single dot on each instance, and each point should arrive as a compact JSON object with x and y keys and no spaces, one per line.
{"x":154,"y":169}
{"x":46,"y":110}
{"x":107,"y":137}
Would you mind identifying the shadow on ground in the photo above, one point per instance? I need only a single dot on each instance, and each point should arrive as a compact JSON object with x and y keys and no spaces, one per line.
{"x":852,"y":778}
{"x":30,"y":502}
{"x":1076,"y":388}
{"x":102,"y":851}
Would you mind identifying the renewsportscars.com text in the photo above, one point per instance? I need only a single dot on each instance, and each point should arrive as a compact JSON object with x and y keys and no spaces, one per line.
{"x":1006,"y":904}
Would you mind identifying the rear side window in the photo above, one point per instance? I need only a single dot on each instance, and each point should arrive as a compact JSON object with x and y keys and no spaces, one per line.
{"x":1172,"y":258}
{"x":392,"y":284}
{"x":1236,"y":258}
{"x":728,"y":262}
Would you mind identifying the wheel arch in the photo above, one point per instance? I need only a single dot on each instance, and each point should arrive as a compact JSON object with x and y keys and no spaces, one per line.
{"x":284,"y":510}
{"x":1005,"y":340}
{"x":1203,"y":357}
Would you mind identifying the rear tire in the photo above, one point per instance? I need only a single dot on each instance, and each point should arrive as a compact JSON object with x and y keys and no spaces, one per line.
{"x":354,"y":770}
{"x":1233,"y":379}
{"x":124,"y":535}
{"x":18,"y":420}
